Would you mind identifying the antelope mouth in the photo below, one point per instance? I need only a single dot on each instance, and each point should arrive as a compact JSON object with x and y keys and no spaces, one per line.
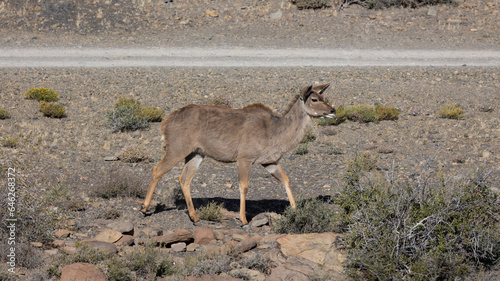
{"x":330,"y":115}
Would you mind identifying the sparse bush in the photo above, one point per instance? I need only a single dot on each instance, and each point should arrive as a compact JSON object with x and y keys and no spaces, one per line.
{"x":334,"y":151}
{"x":153,"y":114}
{"x":361,"y":113}
{"x":419,"y":231}
{"x":310,"y":216}
{"x":128,"y":115}
{"x":150,"y":262}
{"x":10,"y":141}
{"x":42,"y":94}
{"x":4,"y":114}
{"x":308,"y":137}
{"x":116,"y":183}
{"x":211,"y":212}
{"x":133,"y":154}
{"x":118,"y":271}
{"x":451,"y":112}
{"x":383,"y":112}
{"x":483,"y":108}
{"x":220,"y":101}
{"x":259,"y":262}
{"x":302,"y":149}
{"x":84,"y":253}
{"x":125,"y":118}
{"x":207,"y":264}
{"x":312,"y":4}
{"x":52,"y":109}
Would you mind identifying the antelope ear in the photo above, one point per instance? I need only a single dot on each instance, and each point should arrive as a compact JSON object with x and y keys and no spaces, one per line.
{"x":306,"y":92}
{"x":322,"y":88}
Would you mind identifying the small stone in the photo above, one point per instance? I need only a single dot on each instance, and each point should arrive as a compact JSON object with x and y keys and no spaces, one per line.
{"x":124,"y":227}
{"x":258,"y":222}
{"x":245,"y":245}
{"x":110,"y":158}
{"x":178,"y":247}
{"x":276,"y":16}
{"x":103,"y":246}
{"x":62,"y":233}
{"x":212,"y":13}
{"x":126,"y":240}
{"x":108,"y":235}
{"x":192,"y":247}
{"x":203,"y":235}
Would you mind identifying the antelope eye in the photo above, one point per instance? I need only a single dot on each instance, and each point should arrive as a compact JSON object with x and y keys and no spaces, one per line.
{"x":314,"y":100}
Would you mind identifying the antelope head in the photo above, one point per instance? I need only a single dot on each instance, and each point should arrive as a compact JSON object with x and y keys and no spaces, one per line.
{"x":313,"y":102}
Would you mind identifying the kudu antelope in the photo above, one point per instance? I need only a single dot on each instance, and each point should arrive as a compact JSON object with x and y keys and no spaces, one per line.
{"x":251,"y":135}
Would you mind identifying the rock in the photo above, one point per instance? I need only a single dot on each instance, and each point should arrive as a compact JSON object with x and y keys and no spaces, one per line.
{"x":36,"y":244}
{"x":251,"y":274}
{"x":280,"y":273}
{"x":178,"y":247}
{"x":276,"y":16}
{"x":62,"y":233}
{"x":212,"y":13}
{"x":124,"y":227}
{"x":319,"y":248}
{"x":206,"y":277}
{"x":126,"y":240}
{"x":58,"y":243}
{"x":108,"y":235}
{"x":203,"y":235}
{"x":432,"y":12}
{"x":245,"y":245}
{"x":110,"y":158}
{"x":180,"y":235}
{"x":259,"y":221}
{"x":221,"y":233}
{"x":103,"y":246}
{"x":150,"y":232}
{"x":240,"y":237}
{"x":192,"y":247}
{"x":81,"y":271}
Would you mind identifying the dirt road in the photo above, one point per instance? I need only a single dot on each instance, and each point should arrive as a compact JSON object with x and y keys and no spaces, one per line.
{"x":241,"y":57}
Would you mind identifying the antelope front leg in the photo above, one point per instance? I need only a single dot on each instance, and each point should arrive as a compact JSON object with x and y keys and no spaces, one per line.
{"x":243,"y":175}
{"x":279,"y":174}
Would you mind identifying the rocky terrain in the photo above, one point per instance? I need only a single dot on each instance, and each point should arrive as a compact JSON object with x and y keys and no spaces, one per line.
{"x":74,"y":150}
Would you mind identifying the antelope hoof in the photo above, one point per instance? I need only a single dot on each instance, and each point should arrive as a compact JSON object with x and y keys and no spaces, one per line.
{"x":195,"y":219}
{"x":144,"y":209}
{"x":244,"y":221}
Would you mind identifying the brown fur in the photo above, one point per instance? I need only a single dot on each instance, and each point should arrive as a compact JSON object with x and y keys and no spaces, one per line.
{"x":250,"y":135}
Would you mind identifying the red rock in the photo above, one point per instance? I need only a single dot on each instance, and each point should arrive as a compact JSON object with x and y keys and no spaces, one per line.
{"x":203,"y":235}
{"x":81,"y":272}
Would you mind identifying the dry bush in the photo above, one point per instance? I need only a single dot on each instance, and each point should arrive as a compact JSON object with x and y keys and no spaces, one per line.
{"x":42,"y":94}
{"x":133,"y":154}
{"x":119,"y":183}
{"x":451,"y":112}
{"x":52,"y":109}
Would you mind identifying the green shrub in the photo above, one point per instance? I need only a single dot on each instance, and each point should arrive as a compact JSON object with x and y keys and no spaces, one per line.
{"x":150,"y":262}
{"x":153,"y":114}
{"x":220,"y":101}
{"x":361,"y":113}
{"x":42,"y":94}
{"x":10,"y":141}
{"x":312,"y":4}
{"x":211,"y":212}
{"x":451,"y":112}
{"x":383,"y":112}
{"x":4,"y":114}
{"x":127,"y":115}
{"x":125,"y":118}
{"x":52,"y":109}
{"x":308,"y":137}
{"x":310,"y":216}
{"x":417,"y":231}
{"x":302,"y":149}
{"x":203,"y":263}
{"x":118,"y":270}
{"x":84,"y":253}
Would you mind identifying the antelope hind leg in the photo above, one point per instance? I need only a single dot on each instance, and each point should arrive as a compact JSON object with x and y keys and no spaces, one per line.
{"x":278,"y":173}
{"x":243,"y":175}
{"x":190,"y":168}
{"x":158,"y":171}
